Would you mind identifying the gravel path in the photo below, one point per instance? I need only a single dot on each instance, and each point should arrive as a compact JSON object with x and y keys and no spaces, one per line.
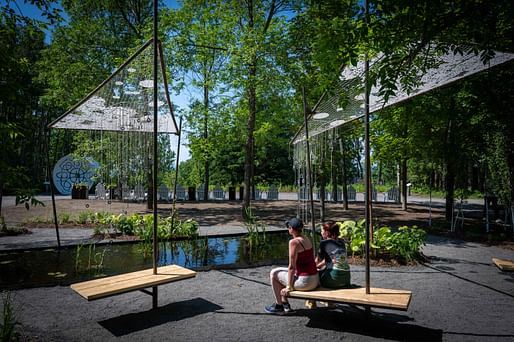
{"x":459,"y":296}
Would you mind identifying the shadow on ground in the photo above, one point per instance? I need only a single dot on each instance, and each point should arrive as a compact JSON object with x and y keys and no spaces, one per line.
{"x":379,"y":325}
{"x":127,"y":324}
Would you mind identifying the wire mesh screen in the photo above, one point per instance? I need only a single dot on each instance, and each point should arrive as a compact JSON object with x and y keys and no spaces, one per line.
{"x":114,"y":128}
{"x":345,"y":102}
{"x":124,"y":101}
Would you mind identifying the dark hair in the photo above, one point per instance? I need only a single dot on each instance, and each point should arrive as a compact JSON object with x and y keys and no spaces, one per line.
{"x":332,"y":228}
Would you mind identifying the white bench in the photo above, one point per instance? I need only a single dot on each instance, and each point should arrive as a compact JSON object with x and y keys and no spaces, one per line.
{"x":352,"y":193}
{"x":218,"y":193}
{"x":272,"y":193}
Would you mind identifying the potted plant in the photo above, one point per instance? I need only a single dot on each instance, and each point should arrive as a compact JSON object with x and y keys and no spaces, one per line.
{"x":79,"y":191}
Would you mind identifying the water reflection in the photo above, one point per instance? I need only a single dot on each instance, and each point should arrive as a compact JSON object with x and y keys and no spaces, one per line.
{"x":69,"y":265}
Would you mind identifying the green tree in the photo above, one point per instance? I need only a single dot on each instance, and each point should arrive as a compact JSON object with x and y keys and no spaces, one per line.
{"x":21,"y":119}
{"x":97,"y":37}
{"x":408,"y":35}
{"x":198,"y":37}
{"x":259,"y":31}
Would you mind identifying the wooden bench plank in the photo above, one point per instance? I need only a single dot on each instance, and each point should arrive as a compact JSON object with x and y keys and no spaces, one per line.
{"x":378,"y":297}
{"x":104,"y":287}
{"x":171,"y":269}
{"x":503,"y":264}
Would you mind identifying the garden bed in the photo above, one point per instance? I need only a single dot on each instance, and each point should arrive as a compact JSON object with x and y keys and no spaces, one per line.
{"x":272,"y":213}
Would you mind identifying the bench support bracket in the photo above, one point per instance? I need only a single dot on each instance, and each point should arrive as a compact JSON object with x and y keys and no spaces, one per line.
{"x":154,"y":294}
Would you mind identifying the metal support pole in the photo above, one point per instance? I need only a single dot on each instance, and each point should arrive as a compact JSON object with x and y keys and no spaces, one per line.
{"x":309,"y":174}
{"x":486,"y":204}
{"x":176,"y":172}
{"x":367,"y":198}
{"x":155,"y":297}
{"x":430,"y":199}
{"x":155,"y":133}
{"x":50,"y":179}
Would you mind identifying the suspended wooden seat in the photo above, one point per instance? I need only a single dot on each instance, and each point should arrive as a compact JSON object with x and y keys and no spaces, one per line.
{"x":503,"y":264}
{"x":379,"y":298}
{"x":139,"y":280}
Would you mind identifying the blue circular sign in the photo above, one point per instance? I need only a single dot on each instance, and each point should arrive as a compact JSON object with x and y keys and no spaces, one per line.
{"x":69,"y":171}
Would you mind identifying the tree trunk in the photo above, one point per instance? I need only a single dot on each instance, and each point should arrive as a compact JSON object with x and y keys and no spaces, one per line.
{"x":206,"y":137}
{"x":449,"y":179}
{"x":333,"y":168}
{"x":449,"y":187}
{"x":404,"y":184}
{"x":398,"y":179}
{"x":1,"y":197}
{"x":333,"y":176}
{"x":150,"y":161}
{"x":252,"y":104}
{"x":322,"y":197}
{"x":250,"y":126}
{"x":344,"y":180}
{"x":379,"y":176}
{"x":149,"y":197}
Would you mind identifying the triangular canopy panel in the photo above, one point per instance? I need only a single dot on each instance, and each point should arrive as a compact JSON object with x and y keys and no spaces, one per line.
{"x":124,"y":101}
{"x":346,"y":102}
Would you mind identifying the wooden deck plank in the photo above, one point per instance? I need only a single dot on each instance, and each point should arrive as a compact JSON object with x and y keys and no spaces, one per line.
{"x":503,"y":264}
{"x":104,"y":287}
{"x":378,"y":297}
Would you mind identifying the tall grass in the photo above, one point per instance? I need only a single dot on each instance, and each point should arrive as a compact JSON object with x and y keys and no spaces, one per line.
{"x":95,"y":260}
{"x":8,"y":323}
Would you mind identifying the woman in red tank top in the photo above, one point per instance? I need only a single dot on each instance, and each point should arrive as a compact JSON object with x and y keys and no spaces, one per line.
{"x":301,"y":273}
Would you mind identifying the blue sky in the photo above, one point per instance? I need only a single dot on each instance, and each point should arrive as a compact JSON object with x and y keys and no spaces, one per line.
{"x":26,"y":9}
{"x":32,"y":11}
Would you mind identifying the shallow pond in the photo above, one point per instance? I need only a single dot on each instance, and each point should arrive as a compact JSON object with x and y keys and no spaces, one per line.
{"x":52,"y":267}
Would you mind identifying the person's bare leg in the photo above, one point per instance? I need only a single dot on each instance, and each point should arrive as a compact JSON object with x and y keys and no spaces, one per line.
{"x":276,"y":285}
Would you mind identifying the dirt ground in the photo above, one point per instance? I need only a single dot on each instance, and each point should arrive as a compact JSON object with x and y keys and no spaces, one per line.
{"x":212,"y":213}
{"x":273,"y":214}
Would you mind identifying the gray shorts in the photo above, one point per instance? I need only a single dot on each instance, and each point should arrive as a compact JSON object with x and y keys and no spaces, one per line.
{"x":301,"y":283}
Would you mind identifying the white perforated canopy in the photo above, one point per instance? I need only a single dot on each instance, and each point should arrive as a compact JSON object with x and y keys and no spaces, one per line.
{"x":124,"y":101}
{"x":345,"y":102}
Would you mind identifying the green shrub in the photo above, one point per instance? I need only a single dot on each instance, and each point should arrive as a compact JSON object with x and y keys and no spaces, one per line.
{"x":354,"y":233}
{"x":100,"y":217}
{"x":142,"y":226}
{"x":39,"y":219}
{"x":84,"y":217}
{"x":63,"y":218}
{"x":404,"y":243}
{"x":187,"y":228}
{"x":124,"y":224}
